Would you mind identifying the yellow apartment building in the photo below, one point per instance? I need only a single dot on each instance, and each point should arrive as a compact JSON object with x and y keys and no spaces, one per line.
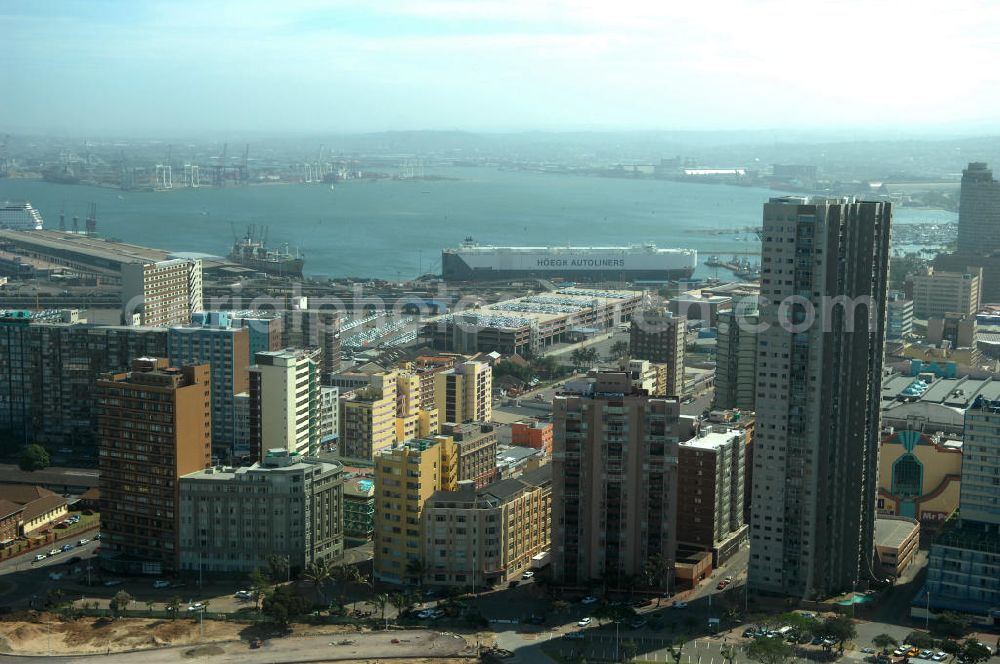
{"x":405,"y":477}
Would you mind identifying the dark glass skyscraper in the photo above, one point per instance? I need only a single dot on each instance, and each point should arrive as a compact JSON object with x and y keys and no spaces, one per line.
{"x":819,"y":365}
{"x":979,"y":211}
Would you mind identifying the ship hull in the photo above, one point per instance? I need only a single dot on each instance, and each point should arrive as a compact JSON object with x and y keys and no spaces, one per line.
{"x":289,"y":268}
{"x":456,"y":266}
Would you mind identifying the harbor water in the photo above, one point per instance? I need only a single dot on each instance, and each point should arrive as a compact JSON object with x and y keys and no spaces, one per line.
{"x":392,"y":229}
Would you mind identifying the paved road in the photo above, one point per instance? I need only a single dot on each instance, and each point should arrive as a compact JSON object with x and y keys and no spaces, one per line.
{"x":29,"y":579}
{"x":369,"y":645}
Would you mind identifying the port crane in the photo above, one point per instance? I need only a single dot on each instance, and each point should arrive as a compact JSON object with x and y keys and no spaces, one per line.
{"x":4,"y":161}
{"x":220,"y":168}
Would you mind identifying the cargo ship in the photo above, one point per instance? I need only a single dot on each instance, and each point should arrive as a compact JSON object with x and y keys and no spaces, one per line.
{"x":251,"y":251}
{"x":475,"y":262}
{"x":20,"y":216}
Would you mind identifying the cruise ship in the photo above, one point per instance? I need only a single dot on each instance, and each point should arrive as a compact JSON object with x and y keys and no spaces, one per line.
{"x":475,"y":262}
{"x":19,"y":216}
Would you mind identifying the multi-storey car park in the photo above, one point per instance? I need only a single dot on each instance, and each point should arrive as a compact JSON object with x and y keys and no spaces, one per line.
{"x":530,"y":322}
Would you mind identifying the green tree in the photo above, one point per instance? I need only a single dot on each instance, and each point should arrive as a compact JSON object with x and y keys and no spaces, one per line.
{"x":54,"y":597}
{"x":577,"y":357}
{"x":841,"y":629}
{"x":769,"y":651}
{"x":883,"y":642}
{"x":602,"y":612}
{"x":346,"y":576}
{"x":277,"y":568}
{"x":728,"y":654}
{"x":317,"y":574}
{"x":676,"y":648}
{"x":260,"y":585}
{"x":149,"y":605}
{"x":951,"y":646}
{"x":798,"y":622}
{"x":174,"y":606}
{"x":119,"y":604}
{"x":619,"y":350}
{"x":974,"y":652}
{"x":381,"y":600}
{"x":400,"y":602}
{"x":657,"y":572}
{"x":34,"y":457}
{"x":919,"y":639}
{"x":283,"y":604}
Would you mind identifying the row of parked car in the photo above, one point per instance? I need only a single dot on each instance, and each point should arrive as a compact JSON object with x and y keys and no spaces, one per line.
{"x":68,"y":521}
{"x":64,"y":548}
{"x":430,"y":614}
{"x":788,"y":634}
{"x":913,"y":651}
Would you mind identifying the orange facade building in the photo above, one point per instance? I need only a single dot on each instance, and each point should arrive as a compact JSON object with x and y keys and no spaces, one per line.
{"x":154,"y":425}
{"x":537,"y":435}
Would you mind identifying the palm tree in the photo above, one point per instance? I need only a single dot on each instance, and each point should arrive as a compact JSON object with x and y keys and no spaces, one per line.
{"x":380,"y":601}
{"x":341,"y":576}
{"x":619,"y":350}
{"x":317,"y":574}
{"x":400,"y":602}
{"x":350,"y":575}
{"x":418,"y":568}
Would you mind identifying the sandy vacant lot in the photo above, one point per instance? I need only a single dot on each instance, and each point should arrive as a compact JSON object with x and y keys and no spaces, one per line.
{"x":44,"y":633}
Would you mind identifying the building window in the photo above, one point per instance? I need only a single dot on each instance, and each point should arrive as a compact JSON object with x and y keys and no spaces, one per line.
{"x":907,"y":476}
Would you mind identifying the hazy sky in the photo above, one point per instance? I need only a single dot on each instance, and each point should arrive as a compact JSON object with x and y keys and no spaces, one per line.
{"x":299,"y":65}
